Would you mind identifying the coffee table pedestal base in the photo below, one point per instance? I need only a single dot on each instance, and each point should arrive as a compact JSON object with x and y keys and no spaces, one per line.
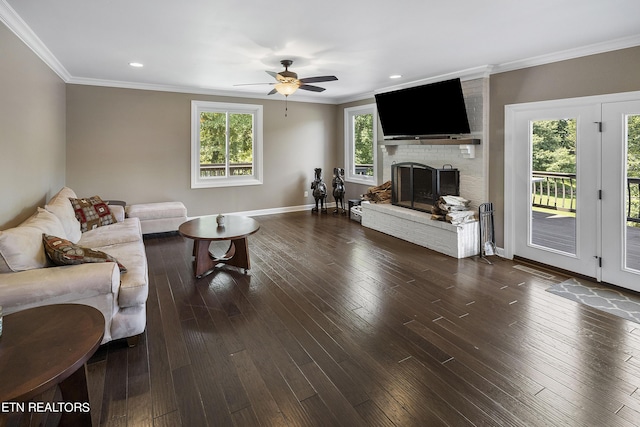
{"x":237,"y":255}
{"x":74,"y":389}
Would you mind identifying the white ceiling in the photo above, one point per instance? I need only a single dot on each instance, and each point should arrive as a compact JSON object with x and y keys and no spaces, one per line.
{"x":208,"y":46}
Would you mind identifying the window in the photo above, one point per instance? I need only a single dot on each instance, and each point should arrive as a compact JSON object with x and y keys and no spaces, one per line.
{"x":226,"y":144}
{"x":360,"y":126}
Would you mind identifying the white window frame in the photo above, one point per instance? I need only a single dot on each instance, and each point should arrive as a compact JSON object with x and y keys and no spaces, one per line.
{"x":349,"y":144}
{"x":198,"y":107}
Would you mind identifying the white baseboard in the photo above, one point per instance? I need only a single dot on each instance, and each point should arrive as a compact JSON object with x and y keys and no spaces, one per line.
{"x":272,"y":211}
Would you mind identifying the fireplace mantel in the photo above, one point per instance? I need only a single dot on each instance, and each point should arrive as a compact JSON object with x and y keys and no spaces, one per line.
{"x":430,"y":141}
{"x":467,"y":145}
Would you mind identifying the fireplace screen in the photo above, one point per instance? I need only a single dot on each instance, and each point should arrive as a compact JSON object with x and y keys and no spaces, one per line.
{"x":417,"y":186}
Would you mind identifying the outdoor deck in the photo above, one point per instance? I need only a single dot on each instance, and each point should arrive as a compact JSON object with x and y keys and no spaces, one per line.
{"x":559,"y":232}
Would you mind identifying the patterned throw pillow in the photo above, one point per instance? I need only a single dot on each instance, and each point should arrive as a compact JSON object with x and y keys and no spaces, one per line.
{"x":63,"y":252}
{"x":92,"y":213}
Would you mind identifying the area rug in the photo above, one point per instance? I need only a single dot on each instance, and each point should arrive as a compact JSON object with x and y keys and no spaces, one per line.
{"x":605,"y":299}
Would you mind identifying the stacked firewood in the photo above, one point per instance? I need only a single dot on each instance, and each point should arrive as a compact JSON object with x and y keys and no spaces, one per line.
{"x":452,"y":209}
{"x":379,"y":194}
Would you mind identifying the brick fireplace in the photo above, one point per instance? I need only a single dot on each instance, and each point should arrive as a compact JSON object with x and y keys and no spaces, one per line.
{"x":472,"y":164}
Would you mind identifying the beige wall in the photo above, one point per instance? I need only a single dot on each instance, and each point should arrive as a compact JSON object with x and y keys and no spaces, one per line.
{"x":134,"y":145}
{"x":32,"y":131}
{"x":611,"y":72}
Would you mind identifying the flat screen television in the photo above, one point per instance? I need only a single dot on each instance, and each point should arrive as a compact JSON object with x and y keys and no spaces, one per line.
{"x":435,"y":109}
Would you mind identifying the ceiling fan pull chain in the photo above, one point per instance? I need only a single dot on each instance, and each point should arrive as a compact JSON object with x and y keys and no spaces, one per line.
{"x":286,"y":106}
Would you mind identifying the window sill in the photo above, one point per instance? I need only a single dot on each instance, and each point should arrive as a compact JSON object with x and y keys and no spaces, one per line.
{"x":369,"y":182}
{"x":225,"y":183}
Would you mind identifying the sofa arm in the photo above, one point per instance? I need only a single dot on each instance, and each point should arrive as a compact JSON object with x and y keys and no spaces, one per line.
{"x":51,"y":285}
{"x":118,"y":212}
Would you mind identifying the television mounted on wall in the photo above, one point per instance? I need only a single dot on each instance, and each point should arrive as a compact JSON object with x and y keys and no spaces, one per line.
{"x":436,"y":109}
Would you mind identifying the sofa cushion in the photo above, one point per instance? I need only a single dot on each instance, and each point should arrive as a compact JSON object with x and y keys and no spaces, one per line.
{"x":61,"y":207}
{"x":92,"y":212}
{"x":134,"y":286}
{"x":157,"y":210}
{"x":114,"y":234}
{"x":63,"y":252}
{"x":21,"y":247}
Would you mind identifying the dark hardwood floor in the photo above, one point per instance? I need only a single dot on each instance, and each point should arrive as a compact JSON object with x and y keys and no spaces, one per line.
{"x":339,"y":325}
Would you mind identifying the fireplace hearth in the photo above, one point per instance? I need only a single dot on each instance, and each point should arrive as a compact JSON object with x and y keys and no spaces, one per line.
{"x":418,"y":186}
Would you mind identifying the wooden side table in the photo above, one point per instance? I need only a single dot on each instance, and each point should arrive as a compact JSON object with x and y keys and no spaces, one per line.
{"x":49,"y":345}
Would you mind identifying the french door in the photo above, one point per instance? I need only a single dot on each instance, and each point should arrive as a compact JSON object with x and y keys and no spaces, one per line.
{"x":570,"y":193}
{"x":621,"y":184}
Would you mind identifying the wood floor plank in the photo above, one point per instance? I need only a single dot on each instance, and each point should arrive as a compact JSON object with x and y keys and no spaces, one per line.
{"x":334,"y":400}
{"x":262,"y":402}
{"x":139,"y":406}
{"x":178,"y":356}
{"x":206,"y":378}
{"x":219,"y":360}
{"x":287,"y":385}
{"x":190,"y":404}
{"x":114,"y":399}
{"x":162,"y":391}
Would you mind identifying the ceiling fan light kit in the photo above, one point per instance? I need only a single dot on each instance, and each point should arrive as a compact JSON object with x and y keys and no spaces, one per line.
{"x":286,"y":89}
{"x":287,"y":82}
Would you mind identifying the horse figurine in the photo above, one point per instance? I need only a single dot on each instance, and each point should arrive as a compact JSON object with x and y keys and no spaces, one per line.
{"x":319,"y":191}
{"x":338,"y":189}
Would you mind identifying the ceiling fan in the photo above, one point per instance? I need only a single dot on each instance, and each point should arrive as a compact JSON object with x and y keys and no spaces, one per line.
{"x":287,"y":82}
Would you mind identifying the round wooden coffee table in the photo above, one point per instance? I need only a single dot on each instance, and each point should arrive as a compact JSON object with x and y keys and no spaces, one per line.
{"x":44,"y":346}
{"x":205,"y":230}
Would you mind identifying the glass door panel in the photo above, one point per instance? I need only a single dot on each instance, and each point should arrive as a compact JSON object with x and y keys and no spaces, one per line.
{"x":632,"y":193}
{"x":554,"y":183}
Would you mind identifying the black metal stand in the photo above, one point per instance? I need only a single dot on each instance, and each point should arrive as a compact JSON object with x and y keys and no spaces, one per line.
{"x":487,"y":236}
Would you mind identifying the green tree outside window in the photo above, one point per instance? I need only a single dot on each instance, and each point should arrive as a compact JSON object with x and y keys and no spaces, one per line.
{"x":363,"y":128}
{"x":216,"y":144}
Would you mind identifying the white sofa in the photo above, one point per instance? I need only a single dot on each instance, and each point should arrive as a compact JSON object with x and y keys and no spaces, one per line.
{"x":28,"y":278}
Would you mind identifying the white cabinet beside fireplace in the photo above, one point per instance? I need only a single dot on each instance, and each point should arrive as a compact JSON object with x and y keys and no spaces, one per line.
{"x":458,"y":241}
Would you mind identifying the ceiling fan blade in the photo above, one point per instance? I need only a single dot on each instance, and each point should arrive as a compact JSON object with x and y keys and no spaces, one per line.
{"x":312,"y":88}
{"x":319,"y":79}
{"x":272,"y":74}
{"x":272,"y":92}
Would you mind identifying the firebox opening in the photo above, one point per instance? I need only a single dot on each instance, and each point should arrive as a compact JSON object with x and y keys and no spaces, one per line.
{"x":417,"y":186}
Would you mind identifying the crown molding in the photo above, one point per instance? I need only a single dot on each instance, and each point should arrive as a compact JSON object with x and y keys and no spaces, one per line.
{"x":16,"y":24}
{"x":194,"y":90}
{"x":468,"y":74}
{"x":593,"y":49}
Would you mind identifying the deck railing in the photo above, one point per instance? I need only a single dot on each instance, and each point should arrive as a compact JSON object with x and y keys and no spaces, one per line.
{"x":633,"y":196}
{"x":555,"y":190}
{"x":364,"y":169}
{"x":218,"y":169}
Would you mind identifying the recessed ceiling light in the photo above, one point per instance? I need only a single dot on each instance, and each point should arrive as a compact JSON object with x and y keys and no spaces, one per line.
{"x":136,"y":64}
{"x":395,"y":76}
